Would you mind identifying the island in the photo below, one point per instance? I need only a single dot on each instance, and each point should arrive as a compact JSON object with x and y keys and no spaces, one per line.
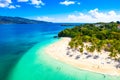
{"x":19,"y":20}
{"x":94,"y":47}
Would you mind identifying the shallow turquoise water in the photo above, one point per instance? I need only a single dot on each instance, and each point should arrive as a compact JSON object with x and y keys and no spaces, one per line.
{"x":37,"y":65}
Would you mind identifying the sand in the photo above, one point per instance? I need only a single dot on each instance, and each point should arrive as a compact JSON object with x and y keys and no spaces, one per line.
{"x":59,"y":51}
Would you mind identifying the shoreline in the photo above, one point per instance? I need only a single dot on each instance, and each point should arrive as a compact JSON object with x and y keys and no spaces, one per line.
{"x":58,"y":51}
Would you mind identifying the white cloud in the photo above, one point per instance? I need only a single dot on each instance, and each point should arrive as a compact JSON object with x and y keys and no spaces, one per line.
{"x":23,"y":0}
{"x":18,"y":6}
{"x":37,"y":2}
{"x":37,"y":6}
{"x":67,"y":2}
{"x":45,"y":18}
{"x":78,"y":3}
{"x":9,"y":1}
{"x":5,"y":3}
{"x":91,"y":16}
{"x":94,"y":16}
{"x":11,"y":7}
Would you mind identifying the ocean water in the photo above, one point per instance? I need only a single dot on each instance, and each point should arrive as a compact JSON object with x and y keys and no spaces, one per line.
{"x":22,"y":55}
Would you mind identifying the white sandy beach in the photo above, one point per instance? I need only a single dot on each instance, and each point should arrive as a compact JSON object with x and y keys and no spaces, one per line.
{"x":59,"y":50}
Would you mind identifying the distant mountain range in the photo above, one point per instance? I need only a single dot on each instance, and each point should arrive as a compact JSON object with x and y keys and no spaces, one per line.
{"x":18,"y":20}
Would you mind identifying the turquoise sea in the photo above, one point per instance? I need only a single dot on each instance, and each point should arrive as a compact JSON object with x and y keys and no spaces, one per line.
{"x":22,"y":55}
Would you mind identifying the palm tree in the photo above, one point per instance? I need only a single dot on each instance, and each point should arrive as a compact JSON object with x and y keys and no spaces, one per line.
{"x":113,"y":55}
{"x":92,"y":48}
{"x":81,"y":49}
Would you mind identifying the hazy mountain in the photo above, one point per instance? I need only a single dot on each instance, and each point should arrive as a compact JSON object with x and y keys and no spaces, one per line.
{"x":18,"y":20}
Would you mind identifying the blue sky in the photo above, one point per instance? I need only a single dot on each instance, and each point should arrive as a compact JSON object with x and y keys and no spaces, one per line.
{"x":63,"y":10}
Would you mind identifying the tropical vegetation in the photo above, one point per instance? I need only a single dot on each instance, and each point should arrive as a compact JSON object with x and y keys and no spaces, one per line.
{"x":102,"y":36}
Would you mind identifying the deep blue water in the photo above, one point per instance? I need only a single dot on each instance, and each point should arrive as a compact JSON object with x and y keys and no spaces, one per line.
{"x":16,"y":39}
